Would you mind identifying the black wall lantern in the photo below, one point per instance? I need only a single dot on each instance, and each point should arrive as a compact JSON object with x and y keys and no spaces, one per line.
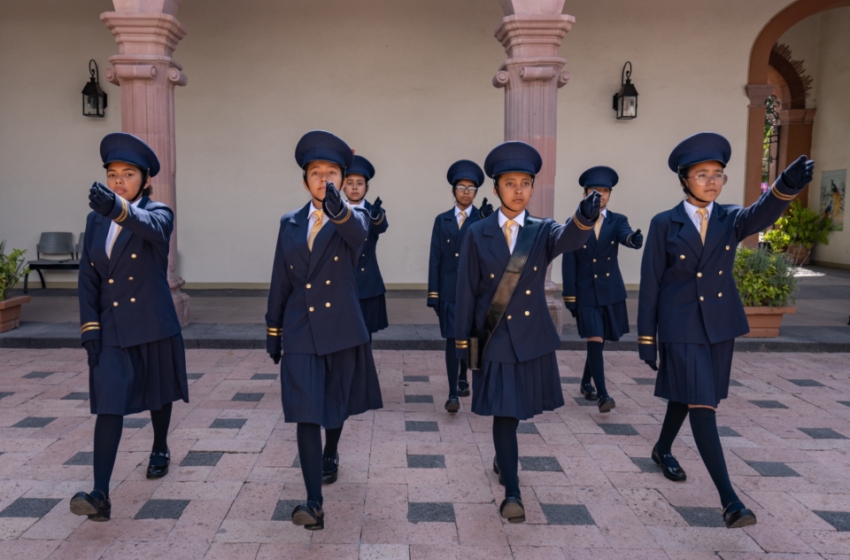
{"x":94,"y":99}
{"x":625,"y":102}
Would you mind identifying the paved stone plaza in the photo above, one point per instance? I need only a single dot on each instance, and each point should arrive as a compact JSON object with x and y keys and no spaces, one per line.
{"x":416,"y":482}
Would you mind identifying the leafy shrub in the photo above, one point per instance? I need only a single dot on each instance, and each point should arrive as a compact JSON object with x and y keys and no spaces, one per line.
{"x":799,"y":226}
{"x":11,"y":268}
{"x":764,"y":279}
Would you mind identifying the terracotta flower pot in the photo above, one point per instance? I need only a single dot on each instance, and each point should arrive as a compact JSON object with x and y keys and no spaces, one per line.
{"x":10,"y":312}
{"x":799,"y":254}
{"x":765,"y":321}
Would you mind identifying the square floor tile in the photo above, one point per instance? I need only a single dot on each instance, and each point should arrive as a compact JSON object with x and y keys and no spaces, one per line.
{"x":838,"y":519}
{"x":426,"y":462}
{"x":527,"y":428}
{"x":283,"y":509}
{"x":162,"y":509}
{"x":540,"y":464}
{"x":248,"y":397}
{"x":194,"y":375}
{"x":419,"y":426}
{"x":39,"y":374}
{"x":822,"y":433}
{"x":644,"y":380}
{"x":619,"y":429}
{"x":581,"y":401}
{"x":726,"y":431}
{"x":735,"y":383}
{"x":34,"y":422}
{"x":30,"y":507}
{"x":5,"y":394}
{"x":768,"y":404}
{"x":422,"y":399}
{"x":805,"y":382}
{"x":416,"y":379}
{"x":264,"y":377}
{"x":81,"y":459}
{"x":136,"y":423}
{"x":772,"y":468}
{"x":201,"y":459}
{"x":76,"y":397}
{"x":229,"y":423}
{"x":567,"y":514}
{"x":418,"y":512}
{"x":702,"y":517}
{"x":645,"y":464}
{"x":575,"y":380}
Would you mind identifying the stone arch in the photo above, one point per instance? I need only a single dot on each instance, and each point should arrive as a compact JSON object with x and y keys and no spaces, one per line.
{"x":794,"y":76}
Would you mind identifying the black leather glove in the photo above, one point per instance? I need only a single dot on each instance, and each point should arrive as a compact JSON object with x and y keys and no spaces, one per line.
{"x":275,"y":358}
{"x":636,"y":240}
{"x":573,"y":312}
{"x":101,"y":199}
{"x":486,"y":209}
{"x":333,"y":204}
{"x":434,"y":304}
{"x":653,"y":364}
{"x":799,"y":174}
{"x":376,"y":211}
{"x":274,"y":348}
{"x":93,"y":349}
{"x":589,"y":207}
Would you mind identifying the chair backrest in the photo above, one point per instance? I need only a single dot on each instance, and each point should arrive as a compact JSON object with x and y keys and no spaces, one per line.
{"x":56,"y":243}
{"x":79,"y":247}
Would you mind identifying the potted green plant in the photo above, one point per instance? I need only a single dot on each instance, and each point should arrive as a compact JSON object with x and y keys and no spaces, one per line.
{"x":797,"y":231}
{"x":11,"y":270}
{"x":766,"y":284}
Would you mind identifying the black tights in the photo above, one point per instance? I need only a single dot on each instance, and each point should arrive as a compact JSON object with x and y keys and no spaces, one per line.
{"x":454,"y":368}
{"x":310,"y":454}
{"x":594,"y":366}
{"x":507,"y":452}
{"x":107,"y":436}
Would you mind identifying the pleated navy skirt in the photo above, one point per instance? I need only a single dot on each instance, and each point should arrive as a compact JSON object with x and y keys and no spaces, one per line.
{"x":610,"y":322}
{"x":519,"y":390}
{"x":375,"y":313}
{"x":144,"y":377}
{"x":694,"y":373}
{"x":446,"y":311}
{"x":328,"y":389}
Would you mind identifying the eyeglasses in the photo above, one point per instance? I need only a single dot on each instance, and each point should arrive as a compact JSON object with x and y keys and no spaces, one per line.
{"x":703,"y":179}
{"x":467,"y":190}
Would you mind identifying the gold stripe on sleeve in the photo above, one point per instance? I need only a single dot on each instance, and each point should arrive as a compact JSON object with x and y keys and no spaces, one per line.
{"x":569,"y":299}
{"x":344,"y":219}
{"x":124,"y":211}
{"x":580,"y":225}
{"x":462,"y":344}
{"x":782,"y":196}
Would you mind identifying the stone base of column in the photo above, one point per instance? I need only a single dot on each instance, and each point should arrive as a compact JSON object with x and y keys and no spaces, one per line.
{"x":181,"y":304}
{"x":555,"y":303}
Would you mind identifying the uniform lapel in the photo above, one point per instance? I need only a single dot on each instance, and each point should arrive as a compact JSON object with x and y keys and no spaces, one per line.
{"x":687,"y":231}
{"x":101,"y":232}
{"x":301,"y":220}
{"x":717,"y":227}
{"x":498,"y":245}
{"x":122,"y":240}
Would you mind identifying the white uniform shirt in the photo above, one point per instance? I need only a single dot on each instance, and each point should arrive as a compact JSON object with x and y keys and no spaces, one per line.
{"x":457,"y":214}
{"x":113,"y":230}
{"x":696,"y":219}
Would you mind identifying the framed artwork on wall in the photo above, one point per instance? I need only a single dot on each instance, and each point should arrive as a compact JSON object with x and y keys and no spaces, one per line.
{"x":833,"y":191}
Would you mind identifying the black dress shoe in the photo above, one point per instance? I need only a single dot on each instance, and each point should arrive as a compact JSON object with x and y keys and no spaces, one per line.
{"x":463,"y":388}
{"x":588,"y":391}
{"x":512,"y":509}
{"x":158,"y":464}
{"x":311,"y":516}
{"x":93,"y":505}
{"x":330,"y":469}
{"x":669,"y":466}
{"x":606,"y":403}
{"x":736,"y":516}
{"x":452,"y":405}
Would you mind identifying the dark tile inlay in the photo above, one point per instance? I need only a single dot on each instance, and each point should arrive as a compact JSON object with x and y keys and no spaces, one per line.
{"x":228,"y":423}
{"x":419,"y":426}
{"x":76,"y":397}
{"x":416,"y":379}
{"x":644,"y":380}
{"x":527,"y":428}
{"x":39,"y":374}
{"x":772,"y":468}
{"x":5,"y":394}
{"x":421,"y":399}
{"x":264,"y":377}
{"x":619,"y":429}
{"x":575,"y":380}
{"x":805,"y":382}
{"x":248,"y":397}
{"x":822,"y":433}
{"x":567,"y":514}
{"x":136,"y":423}
{"x":645,"y":464}
{"x":201,"y":459}
{"x":296,"y":464}
{"x":194,"y":375}
{"x":768,"y":404}
{"x":540,"y":464}
{"x":30,"y":507}
{"x":283,"y":509}
{"x":845,"y":403}
{"x":162,"y":509}
{"x":418,"y":512}
{"x":726,"y":431}
{"x":581,"y":401}
{"x":426,"y":462}
{"x":735,"y":383}
{"x":34,"y":422}
{"x":702,"y":517}
{"x":81,"y":459}
{"x":838,"y":519}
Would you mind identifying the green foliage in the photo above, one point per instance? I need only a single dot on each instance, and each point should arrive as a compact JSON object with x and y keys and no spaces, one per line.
{"x":799,"y":226}
{"x":11,"y":268}
{"x":764,"y":279}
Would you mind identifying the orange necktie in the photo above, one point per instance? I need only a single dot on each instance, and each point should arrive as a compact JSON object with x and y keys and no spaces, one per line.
{"x":703,"y":225}
{"x":462,"y":219}
{"x":597,"y":227}
{"x":508,"y":225}
{"x":314,"y":231}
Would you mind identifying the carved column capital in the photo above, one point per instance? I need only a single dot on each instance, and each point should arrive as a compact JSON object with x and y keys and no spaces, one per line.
{"x":758,"y":94}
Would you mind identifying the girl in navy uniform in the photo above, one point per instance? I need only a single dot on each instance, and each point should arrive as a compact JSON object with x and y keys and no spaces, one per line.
{"x":449,"y":230}
{"x":689,"y":310}
{"x":129,"y":326}
{"x":370,"y":283}
{"x":518,"y":376}
{"x":594,"y":291}
{"x":314,"y":318}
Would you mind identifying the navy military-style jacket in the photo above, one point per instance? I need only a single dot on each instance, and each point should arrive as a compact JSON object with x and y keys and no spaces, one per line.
{"x":687,"y":290}
{"x":526,"y":331}
{"x":125,"y":300}
{"x":446,"y":239}
{"x":313,"y":296}
{"x":591,"y":275}
{"x":370,"y":283}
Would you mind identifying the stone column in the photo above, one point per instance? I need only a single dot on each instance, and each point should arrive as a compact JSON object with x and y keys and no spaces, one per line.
{"x":758,"y":94}
{"x":531,"y":33}
{"x":147,"y":32}
{"x":795,"y":139}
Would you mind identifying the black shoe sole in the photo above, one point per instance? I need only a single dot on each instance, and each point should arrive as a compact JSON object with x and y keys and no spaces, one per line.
{"x":607,"y":406}
{"x":81,"y":506}
{"x":452,"y":407}
{"x":304,"y":519}
{"x":153,"y":476}
{"x":745,"y":520}
{"x":514,"y":513}
{"x":463,"y":392}
{"x":591,"y":396}
{"x":329,"y":478}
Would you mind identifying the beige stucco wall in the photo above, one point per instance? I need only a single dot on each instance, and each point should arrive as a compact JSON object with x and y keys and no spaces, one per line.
{"x":804,"y":41}
{"x":408,"y":84}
